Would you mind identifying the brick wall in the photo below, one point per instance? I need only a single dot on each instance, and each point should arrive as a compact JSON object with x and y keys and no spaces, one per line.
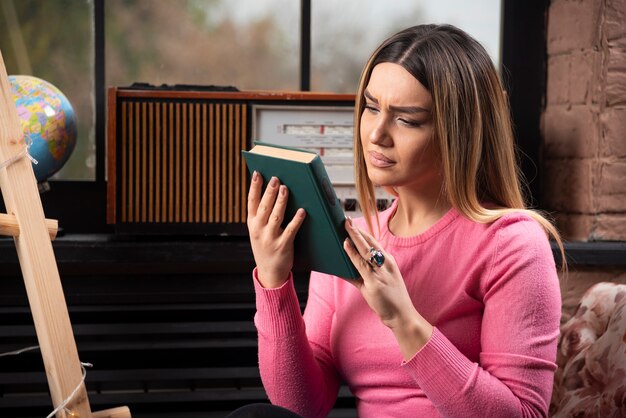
{"x":584,"y":122}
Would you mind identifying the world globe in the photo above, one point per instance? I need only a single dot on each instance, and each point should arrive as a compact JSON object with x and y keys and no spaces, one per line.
{"x":48,"y":121}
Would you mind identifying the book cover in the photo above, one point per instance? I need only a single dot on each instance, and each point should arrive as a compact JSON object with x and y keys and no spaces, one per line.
{"x":319,"y":242}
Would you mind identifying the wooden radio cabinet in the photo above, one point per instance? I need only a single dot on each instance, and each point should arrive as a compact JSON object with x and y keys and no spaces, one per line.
{"x":174,"y":162}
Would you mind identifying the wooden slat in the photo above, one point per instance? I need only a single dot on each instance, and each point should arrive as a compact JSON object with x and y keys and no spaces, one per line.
{"x":170,"y":166}
{"x":189,"y":172}
{"x":164,"y":159}
{"x":177,"y":158}
{"x":205,"y":177}
{"x":198,"y":176}
{"x":10,"y":227}
{"x":243,"y":181}
{"x":131,"y":162}
{"x":119,"y":412}
{"x":137,"y":146}
{"x":157,"y":157}
{"x":184,"y":156}
{"x":237,"y":162}
{"x":150,"y":179}
{"x":212,"y":124}
{"x":218,"y":162}
{"x":231,"y":145}
{"x":243,"y":95}
{"x":124,"y":157}
{"x":144,"y":163}
{"x":223,"y":156}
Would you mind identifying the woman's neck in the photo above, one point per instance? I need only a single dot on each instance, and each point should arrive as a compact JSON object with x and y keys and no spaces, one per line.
{"x":417,"y":212}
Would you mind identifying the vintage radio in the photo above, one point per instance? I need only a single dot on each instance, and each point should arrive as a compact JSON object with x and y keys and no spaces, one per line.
{"x":174,"y":161}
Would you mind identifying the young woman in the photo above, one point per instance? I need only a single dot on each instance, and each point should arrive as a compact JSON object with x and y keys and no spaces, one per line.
{"x":457,"y":309}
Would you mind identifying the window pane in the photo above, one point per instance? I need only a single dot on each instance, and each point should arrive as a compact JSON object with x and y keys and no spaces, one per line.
{"x":248,"y":44}
{"x":344,"y":34}
{"x":53,"y":40}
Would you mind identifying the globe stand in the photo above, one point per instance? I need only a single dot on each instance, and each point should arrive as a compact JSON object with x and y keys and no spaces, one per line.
{"x":32,"y":234}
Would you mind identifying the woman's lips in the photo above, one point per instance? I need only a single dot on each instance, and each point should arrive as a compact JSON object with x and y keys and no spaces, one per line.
{"x":379,"y":160}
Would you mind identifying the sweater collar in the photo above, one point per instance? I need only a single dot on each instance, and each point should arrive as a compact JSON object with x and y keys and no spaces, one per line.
{"x":387,"y":235}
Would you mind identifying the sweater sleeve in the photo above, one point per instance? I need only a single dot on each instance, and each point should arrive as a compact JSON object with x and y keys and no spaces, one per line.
{"x":520,"y":328}
{"x":294,"y":374}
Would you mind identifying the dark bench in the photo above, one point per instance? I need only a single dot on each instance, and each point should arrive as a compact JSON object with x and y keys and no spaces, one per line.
{"x":167,"y":341}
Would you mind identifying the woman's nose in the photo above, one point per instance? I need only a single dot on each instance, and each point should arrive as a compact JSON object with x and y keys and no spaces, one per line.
{"x":379,"y":133}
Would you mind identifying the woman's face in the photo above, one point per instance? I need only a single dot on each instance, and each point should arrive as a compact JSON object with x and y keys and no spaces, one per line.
{"x":396,"y":130}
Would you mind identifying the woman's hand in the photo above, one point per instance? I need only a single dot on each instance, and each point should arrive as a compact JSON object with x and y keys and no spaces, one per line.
{"x":385,"y":292}
{"x":271,"y":245}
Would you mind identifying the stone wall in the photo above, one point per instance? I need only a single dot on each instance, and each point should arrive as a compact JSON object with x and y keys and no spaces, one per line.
{"x":584,"y":132}
{"x":584,"y":121}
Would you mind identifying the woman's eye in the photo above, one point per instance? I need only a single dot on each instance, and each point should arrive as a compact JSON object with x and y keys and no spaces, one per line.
{"x":371,"y":108}
{"x":410,"y":123}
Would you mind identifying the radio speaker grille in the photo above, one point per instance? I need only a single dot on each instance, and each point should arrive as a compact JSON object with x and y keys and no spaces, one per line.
{"x":181,"y":162}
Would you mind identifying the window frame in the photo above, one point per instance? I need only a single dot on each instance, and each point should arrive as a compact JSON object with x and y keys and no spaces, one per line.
{"x":524,"y":61}
{"x":80,"y":205}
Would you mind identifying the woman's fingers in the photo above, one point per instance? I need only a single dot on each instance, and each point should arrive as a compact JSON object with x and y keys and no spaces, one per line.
{"x":356,"y":257}
{"x":254,"y":194}
{"x":267,"y":201}
{"x":358,"y":239}
{"x":269,"y":209}
{"x":278,"y":211}
{"x":369,"y":251}
{"x":369,"y":240}
{"x":294,"y":225}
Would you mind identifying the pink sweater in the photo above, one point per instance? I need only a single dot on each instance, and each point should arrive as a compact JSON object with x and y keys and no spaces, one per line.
{"x":490,"y":290}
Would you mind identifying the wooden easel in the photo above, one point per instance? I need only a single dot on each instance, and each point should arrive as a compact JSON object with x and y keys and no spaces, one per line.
{"x":25,"y":221}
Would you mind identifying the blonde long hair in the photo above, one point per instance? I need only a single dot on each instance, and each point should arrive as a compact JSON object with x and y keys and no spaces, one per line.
{"x":472,"y":126}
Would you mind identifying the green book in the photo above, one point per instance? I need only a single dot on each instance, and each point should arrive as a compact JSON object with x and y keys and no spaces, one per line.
{"x":319,"y":242}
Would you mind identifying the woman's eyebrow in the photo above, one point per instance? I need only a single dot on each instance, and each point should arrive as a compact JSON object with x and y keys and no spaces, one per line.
{"x":398,"y":109}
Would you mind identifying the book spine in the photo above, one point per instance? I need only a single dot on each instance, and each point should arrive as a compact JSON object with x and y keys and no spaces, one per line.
{"x":332,"y":208}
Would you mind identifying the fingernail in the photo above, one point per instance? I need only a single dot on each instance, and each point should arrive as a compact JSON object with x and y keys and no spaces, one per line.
{"x":255,"y":176}
{"x":283,"y":190}
{"x":273,"y":181}
{"x":349,"y":220}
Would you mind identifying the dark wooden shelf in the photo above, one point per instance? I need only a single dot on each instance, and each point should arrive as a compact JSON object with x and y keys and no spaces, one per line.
{"x":149,"y":255}
{"x":227,"y":254}
{"x":596,"y":254}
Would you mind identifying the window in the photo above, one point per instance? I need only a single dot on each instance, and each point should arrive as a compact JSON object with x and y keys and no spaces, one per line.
{"x":344,"y":34}
{"x":248,"y":44}
{"x":54,"y":41}
{"x":319,"y":45}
